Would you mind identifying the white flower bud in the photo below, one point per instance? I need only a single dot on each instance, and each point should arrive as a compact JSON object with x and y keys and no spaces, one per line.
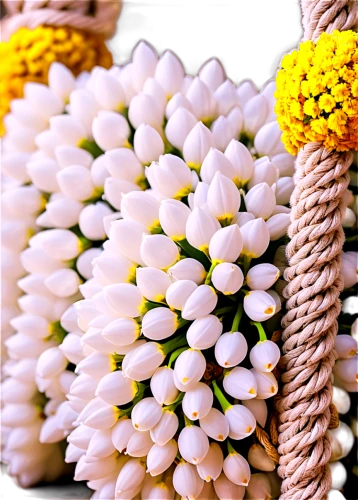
{"x":42,"y":173}
{"x":188,"y":269}
{"x":69,"y":131}
{"x":144,"y":361}
{"x":201,"y":99}
{"x":341,"y":400}
{"x":144,"y":109}
{"x":339,"y":475}
{"x":240,"y":383}
{"x":349,"y":269}
{"x":139,"y":444}
{"x":190,"y":367}
{"x":284,"y":189}
{"x":204,"y":332}
{"x":100,"y":445}
{"x":102,"y":417}
{"x":267,"y":385}
{"x":277,"y":225}
{"x":22,"y":200}
{"x":212,"y":73}
{"x":258,"y":408}
{"x":230,"y":349}
{"x":96,"y":365}
{"x":141,"y":207}
{"x":160,"y":458}
{"x":285,"y":164}
{"x":14,"y":164}
{"x":29,"y":324}
{"x":51,"y":363}
{"x":265,"y":171}
{"x":123,"y":164}
{"x":72,"y":155}
{"x":259,"y":305}
{"x":259,"y":487}
{"x":148,"y":144}
{"x":116,"y":390}
{"x":193,"y":444}
{"x":124,"y":299}
{"x":224,"y":488}
{"x":201,"y":302}
{"x":109,"y":92}
{"x":170,"y":176}
{"x":110,"y":130}
{"x":63,"y":212}
{"x":256,"y":238}
{"x":163,"y":387}
{"x":177,"y":101}
{"x":268,"y":140}
{"x":260,"y":200}
{"x":236,"y":121}
{"x":237,"y":469}
{"x":197,"y":145}
{"x":144,"y":63}
{"x":186,"y":480}
{"x":226,"y":97}
{"x":63,"y":282}
{"x":146,"y":414}
{"x":159,"y":323}
{"x":43,"y":99}
{"x":210,"y":468}
{"x":200,"y":228}
{"x":241,"y":160}
{"x":255,"y":113}
{"x":178,"y":127}
{"x":84,"y":108}
{"x":81,"y":436}
{"x":215,"y":161}
{"x":165,"y":429}
{"x":110,"y":268}
{"x":75,"y":182}
{"x":127,"y":236}
{"x":121,"y":433}
{"x":242,"y":423}
{"x":153,"y":283}
{"x":227,"y":278}
{"x":131,"y":475}
{"x":265,"y":355}
{"x":222,"y":131}
{"x":262,"y":276}
{"x":169,"y":73}
{"x":226,"y":244}
{"x":198,"y":401}
{"x":346,"y":370}
{"x":91,"y":221}
{"x":345,"y":346}
{"x":259,"y":459}
{"x":223,"y":198}
{"x":61,"y":81}
{"x":121,"y":331}
{"x":159,"y":251}
{"x":173,"y":215}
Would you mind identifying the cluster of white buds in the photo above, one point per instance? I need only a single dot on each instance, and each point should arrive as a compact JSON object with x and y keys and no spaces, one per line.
{"x":81,"y":150}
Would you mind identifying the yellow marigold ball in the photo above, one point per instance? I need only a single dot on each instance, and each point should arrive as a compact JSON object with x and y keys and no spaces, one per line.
{"x":28,"y":55}
{"x":317,"y":93}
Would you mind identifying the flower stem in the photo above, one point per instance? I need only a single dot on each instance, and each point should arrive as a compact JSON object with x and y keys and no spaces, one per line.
{"x":194,"y":253}
{"x":188,"y":422}
{"x":173,"y":344}
{"x":173,"y":406}
{"x":223,"y":310}
{"x":175,"y":354}
{"x":237,"y":319}
{"x":247,"y":262}
{"x":208,"y":276}
{"x":260,"y":329}
{"x":230,"y":447}
{"x":225,"y":405}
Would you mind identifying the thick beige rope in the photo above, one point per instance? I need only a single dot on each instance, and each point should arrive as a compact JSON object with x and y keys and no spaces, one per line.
{"x":97,"y":16}
{"x":314,"y":283}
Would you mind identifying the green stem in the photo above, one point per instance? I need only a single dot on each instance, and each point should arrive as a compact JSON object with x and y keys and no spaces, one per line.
{"x":175,"y":354}
{"x":208,"y":276}
{"x":173,"y":344}
{"x":220,"y":397}
{"x":91,"y":147}
{"x":260,"y":329}
{"x":151,"y":305}
{"x":194,"y":253}
{"x":57,"y":333}
{"x":230,"y":448}
{"x":173,"y":406}
{"x":224,"y":310}
{"x":237,"y":319}
{"x":247,"y":262}
{"x":188,"y":422}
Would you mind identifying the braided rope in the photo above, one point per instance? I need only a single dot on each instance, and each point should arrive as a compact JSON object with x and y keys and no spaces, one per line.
{"x":97,"y":16}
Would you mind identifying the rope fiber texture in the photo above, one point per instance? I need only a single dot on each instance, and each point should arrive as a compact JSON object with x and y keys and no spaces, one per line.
{"x":96,"y":16}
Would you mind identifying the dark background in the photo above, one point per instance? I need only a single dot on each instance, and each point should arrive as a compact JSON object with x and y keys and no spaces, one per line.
{"x":249,"y":37}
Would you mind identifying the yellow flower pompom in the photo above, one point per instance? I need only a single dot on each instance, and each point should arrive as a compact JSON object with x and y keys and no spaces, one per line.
{"x":28,"y":55}
{"x":317,"y":93}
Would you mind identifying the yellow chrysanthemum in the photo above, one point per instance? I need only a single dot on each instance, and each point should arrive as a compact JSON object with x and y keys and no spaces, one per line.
{"x":28,"y":55}
{"x":317,"y":91}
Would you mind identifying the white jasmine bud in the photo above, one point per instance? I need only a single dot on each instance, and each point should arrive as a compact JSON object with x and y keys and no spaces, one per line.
{"x":265,"y":355}
{"x":61,"y":81}
{"x":160,"y":458}
{"x":159,"y":251}
{"x":169,"y":73}
{"x":121,"y":331}
{"x":265,"y":171}
{"x":103,"y":417}
{"x":267,"y":385}
{"x":173,"y":215}
{"x":227,"y":278}
{"x":256,"y":238}
{"x":215,"y":425}
{"x":110,"y":130}
{"x":144,"y":361}
{"x":144,"y":109}
{"x":259,"y":459}
{"x":114,"y":190}
{"x":123,"y":164}
{"x":190,"y":367}
{"x":121,"y":433}
{"x":200,"y":228}
{"x":284,"y":189}
{"x":96,"y":365}
{"x":163,"y":387}
{"x":178,"y":127}
{"x":201,"y":99}
{"x":212,"y":73}
{"x":188,"y":269}
{"x":242,"y":423}
{"x":51,"y":363}
{"x":22,"y":200}
{"x":260,"y":200}
{"x":14,"y":164}
{"x":345,"y":346}
{"x":237,"y":469}
{"x":222,"y":131}
{"x":346,"y":370}
{"x":124,"y":299}
{"x":64,"y":212}
{"x":91,"y":221}
{"x":215,"y":161}
{"x":186,"y":480}
{"x":236,"y":121}
{"x":110,"y":268}
{"x":255,"y":113}
{"x":141,"y":207}
{"x":109,"y":92}
{"x":240,"y":383}
{"x":258,"y":408}
{"x":193,"y":444}
{"x":170,"y":176}
{"x":224,"y":488}
{"x":259,"y":305}
{"x":131,"y":475}
{"x":198,"y":401}
{"x":84,"y":107}
{"x":72,"y":155}
{"x":63,"y":282}
{"x":179,"y":292}
{"x":241,"y":160}
{"x":177,"y":101}
{"x":230,"y":349}
{"x":339,"y":475}
{"x":43,"y":99}
{"x":153,"y":283}
{"x":226,"y":97}
{"x":211,"y":466}
{"x":223,"y":198}
{"x":76,"y":183}
{"x":115,"y":389}
{"x":226,"y":244}
{"x":165,"y":429}
{"x":146,"y":414}
{"x":262,"y":276}
{"x":159,"y":323}
{"x":144,"y":63}
{"x":139,"y":444}
{"x":68,"y":130}
{"x":285,"y":163}
{"x":204,"y":332}
{"x":148,"y":144}
{"x":277,"y":225}
{"x":100,"y":445}
{"x":42,"y":173}
{"x":127,"y":237}
{"x":268,"y":140}
{"x":201,"y":302}
{"x":197,"y":145}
